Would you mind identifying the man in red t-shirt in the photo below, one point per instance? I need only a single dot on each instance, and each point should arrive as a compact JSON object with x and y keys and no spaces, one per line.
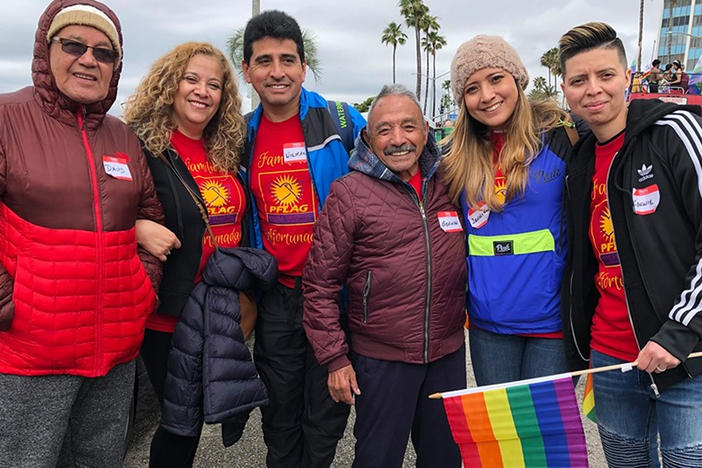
{"x":295,"y":152}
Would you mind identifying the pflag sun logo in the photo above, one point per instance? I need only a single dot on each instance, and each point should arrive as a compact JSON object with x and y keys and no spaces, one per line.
{"x":214,"y":193}
{"x":501,"y":189}
{"x":606,"y":225}
{"x":286,"y":190}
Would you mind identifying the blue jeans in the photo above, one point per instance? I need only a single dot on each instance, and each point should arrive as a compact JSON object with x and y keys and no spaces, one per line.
{"x":504,"y":358}
{"x":630,"y":418}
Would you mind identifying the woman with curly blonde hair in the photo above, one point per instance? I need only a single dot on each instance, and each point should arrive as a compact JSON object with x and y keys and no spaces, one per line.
{"x":187,"y":114}
{"x":506,"y":168}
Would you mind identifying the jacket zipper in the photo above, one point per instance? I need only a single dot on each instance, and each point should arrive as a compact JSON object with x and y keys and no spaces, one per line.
{"x":366,"y":295}
{"x":427,"y":244}
{"x":98,"y":231}
{"x":653,"y":385}
{"x":570,"y":287}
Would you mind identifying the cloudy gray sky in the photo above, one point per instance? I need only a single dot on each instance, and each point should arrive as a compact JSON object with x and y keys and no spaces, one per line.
{"x":354,"y":62}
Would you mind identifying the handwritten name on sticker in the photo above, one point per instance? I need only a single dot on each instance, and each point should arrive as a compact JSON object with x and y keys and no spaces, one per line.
{"x":294,"y":152}
{"x":478,"y":216}
{"x":449,"y":222}
{"x":646,"y":199}
{"x":116,"y":167}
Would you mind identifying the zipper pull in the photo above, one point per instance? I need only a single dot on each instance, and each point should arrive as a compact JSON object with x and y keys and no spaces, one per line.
{"x":421,"y":210}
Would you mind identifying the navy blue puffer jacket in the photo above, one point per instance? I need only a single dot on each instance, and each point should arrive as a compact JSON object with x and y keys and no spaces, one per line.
{"x":211,"y":376}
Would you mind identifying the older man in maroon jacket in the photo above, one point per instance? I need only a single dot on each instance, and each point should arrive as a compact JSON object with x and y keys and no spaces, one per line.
{"x":389,"y":232}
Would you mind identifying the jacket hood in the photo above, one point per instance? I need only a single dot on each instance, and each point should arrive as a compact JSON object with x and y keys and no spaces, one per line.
{"x":364,"y":160}
{"x":645,"y":112}
{"x":241,"y":268}
{"x":55,"y":103}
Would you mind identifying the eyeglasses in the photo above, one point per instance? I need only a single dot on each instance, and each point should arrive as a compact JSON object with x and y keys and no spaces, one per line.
{"x":77,"y":49}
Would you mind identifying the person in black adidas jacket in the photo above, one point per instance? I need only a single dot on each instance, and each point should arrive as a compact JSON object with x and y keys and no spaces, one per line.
{"x":633,"y":286}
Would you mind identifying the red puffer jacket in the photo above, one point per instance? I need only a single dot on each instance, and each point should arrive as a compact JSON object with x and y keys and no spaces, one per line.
{"x":405,"y":273}
{"x":69,"y":263}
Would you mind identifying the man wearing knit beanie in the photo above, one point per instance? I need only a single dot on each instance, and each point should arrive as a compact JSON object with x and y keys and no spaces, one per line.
{"x":484,"y":52}
{"x":74,"y":291}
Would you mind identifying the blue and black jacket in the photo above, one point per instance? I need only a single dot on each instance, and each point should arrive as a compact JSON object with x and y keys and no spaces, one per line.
{"x":516,"y":259}
{"x":327,"y":156}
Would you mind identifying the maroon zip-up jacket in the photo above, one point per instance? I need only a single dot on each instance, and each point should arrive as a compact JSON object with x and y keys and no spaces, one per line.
{"x":405,"y":273}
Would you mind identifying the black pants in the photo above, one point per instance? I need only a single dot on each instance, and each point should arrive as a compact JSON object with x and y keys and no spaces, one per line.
{"x":394,"y":403}
{"x":301,"y":424}
{"x":167,"y":449}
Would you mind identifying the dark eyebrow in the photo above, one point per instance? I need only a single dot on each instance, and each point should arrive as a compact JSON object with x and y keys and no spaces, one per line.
{"x":261,"y":58}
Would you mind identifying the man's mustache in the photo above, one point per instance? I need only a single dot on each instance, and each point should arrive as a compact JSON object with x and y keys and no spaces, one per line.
{"x":397,"y":149}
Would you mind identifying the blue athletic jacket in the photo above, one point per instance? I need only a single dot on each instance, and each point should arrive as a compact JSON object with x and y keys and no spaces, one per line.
{"x":516,"y":259}
{"x":326,"y":156}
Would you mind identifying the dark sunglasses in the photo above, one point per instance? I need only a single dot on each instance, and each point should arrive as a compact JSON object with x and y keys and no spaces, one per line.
{"x":77,"y":49}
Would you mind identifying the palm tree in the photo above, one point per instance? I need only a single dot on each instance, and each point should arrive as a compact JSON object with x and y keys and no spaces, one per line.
{"x":413,"y":11}
{"x":235,"y":46}
{"x":435,"y":41}
{"x":428,"y":24}
{"x":550,"y":59}
{"x":393,"y":35}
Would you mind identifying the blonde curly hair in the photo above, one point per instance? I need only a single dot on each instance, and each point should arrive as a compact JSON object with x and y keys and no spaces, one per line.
{"x":149,"y":111}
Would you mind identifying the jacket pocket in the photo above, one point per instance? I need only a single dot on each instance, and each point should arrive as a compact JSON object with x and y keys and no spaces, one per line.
{"x":366,"y":295}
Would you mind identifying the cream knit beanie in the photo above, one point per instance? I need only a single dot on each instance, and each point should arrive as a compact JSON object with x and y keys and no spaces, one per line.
{"x":86,"y":15}
{"x":484,"y":52}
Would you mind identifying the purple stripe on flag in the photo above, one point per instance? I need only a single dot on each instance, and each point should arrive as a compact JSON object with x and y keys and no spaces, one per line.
{"x":570,"y":415}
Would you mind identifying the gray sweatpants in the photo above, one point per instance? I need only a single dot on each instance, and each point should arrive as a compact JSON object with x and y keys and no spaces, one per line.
{"x":65,"y":420}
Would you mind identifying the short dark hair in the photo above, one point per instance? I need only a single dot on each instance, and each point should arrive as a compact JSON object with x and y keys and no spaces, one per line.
{"x":590,"y":36}
{"x":656,"y":62}
{"x":272,"y":23}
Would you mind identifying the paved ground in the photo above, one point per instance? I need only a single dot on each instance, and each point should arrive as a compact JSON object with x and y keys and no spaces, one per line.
{"x":250,"y":451}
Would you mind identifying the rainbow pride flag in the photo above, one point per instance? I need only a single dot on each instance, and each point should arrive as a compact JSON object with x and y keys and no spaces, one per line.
{"x":589,"y":400}
{"x":529,"y":423}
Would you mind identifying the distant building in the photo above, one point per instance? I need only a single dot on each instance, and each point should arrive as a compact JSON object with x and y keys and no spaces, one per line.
{"x":681,"y":38}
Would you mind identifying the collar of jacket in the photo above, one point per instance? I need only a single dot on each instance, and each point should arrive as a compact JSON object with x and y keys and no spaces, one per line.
{"x":364,"y":160}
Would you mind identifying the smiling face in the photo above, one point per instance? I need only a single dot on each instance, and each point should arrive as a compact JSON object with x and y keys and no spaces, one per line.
{"x":82,"y":79}
{"x":594,"y":84}
{"x":491,"y":96}
{"x":198,"y":95}
{"x":276,"y":73}
{"x":397,"y":134}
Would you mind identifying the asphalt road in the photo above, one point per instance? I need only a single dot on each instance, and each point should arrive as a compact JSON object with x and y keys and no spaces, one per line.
{"x":250,"y":451}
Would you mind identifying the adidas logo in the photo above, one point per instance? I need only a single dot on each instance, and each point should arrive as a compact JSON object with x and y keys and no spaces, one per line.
{"x":645,"y":170}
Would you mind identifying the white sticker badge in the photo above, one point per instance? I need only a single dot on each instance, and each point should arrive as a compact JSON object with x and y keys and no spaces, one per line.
{"x":646,"y":199}
{"x":449,"y":222}
{"x":478,"y":216}
{"x":116,"y":167}
{"x":294,"y":152}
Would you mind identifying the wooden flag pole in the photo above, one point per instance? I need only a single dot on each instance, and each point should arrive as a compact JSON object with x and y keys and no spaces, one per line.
{"x":626,"y":365}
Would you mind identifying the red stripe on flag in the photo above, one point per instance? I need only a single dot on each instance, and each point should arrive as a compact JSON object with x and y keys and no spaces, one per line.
{"x":461,"y":432}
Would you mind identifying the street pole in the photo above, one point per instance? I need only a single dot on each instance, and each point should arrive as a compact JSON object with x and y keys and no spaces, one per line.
{"x":255,"y":10}
{"x":641,"y":19}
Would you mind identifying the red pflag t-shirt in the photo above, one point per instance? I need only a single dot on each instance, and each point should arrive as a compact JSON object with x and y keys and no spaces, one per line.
{"x":611,"y":328}
{"x":225,"y":201}
{"x":285,"y":197}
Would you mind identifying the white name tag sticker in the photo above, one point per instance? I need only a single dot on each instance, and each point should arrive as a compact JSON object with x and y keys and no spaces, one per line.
{"x":646,"y":199}
{"x":117,"y":167}
{"x":449,"y":222}
{"x":294,"y":152}
{"x":478,"y":216}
